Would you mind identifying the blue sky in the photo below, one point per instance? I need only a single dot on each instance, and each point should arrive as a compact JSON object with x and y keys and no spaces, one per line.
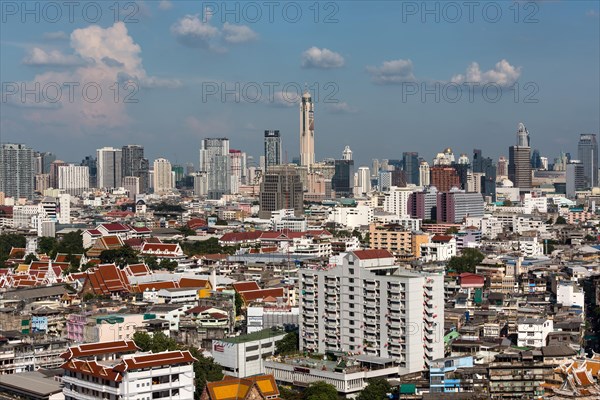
{"x":367,"y":60}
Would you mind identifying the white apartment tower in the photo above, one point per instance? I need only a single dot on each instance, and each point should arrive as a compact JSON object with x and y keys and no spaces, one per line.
{"x":424,"y":174}
{"x":215,"y":161}
{"x":396,"y":200}
{"x":366,"y":305}
{"x":163,"y":176}
{"x":74,"y":179}
{"x":363,"y":184}
{"x":307,"y":131}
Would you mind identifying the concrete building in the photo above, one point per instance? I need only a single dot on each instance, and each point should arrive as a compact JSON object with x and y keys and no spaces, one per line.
{"x":363,"y":182}
{"x":351,"y":217}
{"x":396,"y":200}
{"x":163,"y":177}
{"x":575,"y":178}
{"x":364,"y":304}
{"x":307,"y":131}
{"x":135,"y":164}
{"x":272,"y":149}
{"x":444,"y":178}
{"x":281,"y":188}
{"x":132,"y":185}
{"x":532,"y":332}
{"x":244,"y":355}
{"x":109,"y":167}
{"x":519,"y":160}
{"x":457,"y":205}
{"x":215,"y":162}
{"x":587,"y":152}
{"x":73,"y":179}
{"x":16,"y":171}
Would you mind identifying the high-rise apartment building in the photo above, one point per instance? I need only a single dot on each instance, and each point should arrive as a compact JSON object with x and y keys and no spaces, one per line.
{"x":424,"y":174}
{"x":444,"y":178}
{"x":215,"y":161}
{"x":90,"y":162}
{"x":135,"y":164}
{"x":163,"y":176}
{"x":54,"y":166}
{"x":272,"y":148}
{"x":109,"y":163}
{"x":588,"y":155}
{"x":455,"y":206}
{"x":363,"y":184}
{"x":73,"y":179}
{"x":307,"y":131}
{"x":396,"y":200}
{"x":575,"y":177}
{"x":16,"y":170}
{"x":519,"y":160}
{"x":281,"y":188}
{"x":367,"y":305}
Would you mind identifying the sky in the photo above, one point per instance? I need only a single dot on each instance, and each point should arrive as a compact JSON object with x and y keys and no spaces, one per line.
{"x":386,"y":77}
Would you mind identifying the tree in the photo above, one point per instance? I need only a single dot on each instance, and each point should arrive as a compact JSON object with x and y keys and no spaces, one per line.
{"x":289,"y":344}
{"x":29,"y":258}
{"x":121,"y":257}
{"x":151,"y":262}
{"x":186,"y":230}
{"x":289,"y":394}
{"x":452,"y":230}
{"x":155,"y":343}
{"x":205,"y":370}
{"x":88,"y":297}
{"x":376,"y":389}
{"x":46,"y":244}
{"x":239,"y":303}
{"x":468,"y":260}
{"x":7,"y":242}
{"x":320,"y":391}
{"x":167,"y":264}
{"x":560,"y":221}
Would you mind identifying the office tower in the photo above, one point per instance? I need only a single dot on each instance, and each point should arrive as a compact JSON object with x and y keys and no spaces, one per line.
{"x":16,"y":171}
{"x":536,"y":162}
{"x":363,"y":181}
{"x":132,"y":185}
{"x":342,"y":181}
{"x":189,"y":169}
{"x":272,"y":148}
{"x":163,"y":176}
{"x":477,"y":157}
{"x":307,"y":131}
{"x":444,"y":178}
{"x":587,"y":150}
{"x":366,"y":305}
{"x":73,"y":179}
{"x":488,"y":181}
{"x":90,"y":162}
{"x":398,"y":178}
{"x":519,"y":160}
{"x":54,"y":166}
{"x":238,"y":169}
{"x":46,"y":159}
{"x":423,"y":204}
{"x":200,"y":183}
{"x":396,"y":200}
{"x":575,"y":177}
{"x":384,"y":181}
{"x":42,"y":182}
{"x":454,"y":206}
{"x":424,"y":174}
{"x":410,"y":164}
{"x":444,"y":158}
{"x":281,"y":188}
{"x":375,"y":167}
{"x":214,"y":160}
{"x":109,"y":162}
{"x":38,"y":167}
{"x":179,"y":173}
{"x":502,"y":166}
{"x":462,"y":169}
{"x":135,"y":164}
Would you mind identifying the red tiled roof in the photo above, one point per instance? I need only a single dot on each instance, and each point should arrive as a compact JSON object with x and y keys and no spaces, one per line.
{"x":218,"y":316}
{"x":137,"y":270}
{"x":193,"y":283}
{"x":241,"y":236}
{"x":96,"y":349}
{"x":16,"y":251}
{"x":441,"y":238}
{"x":142,"y":287}
{"x":115,"y":227}
{"x":245,"y":286}
{"x":92,"y":368}
{"x":195,"y":223}
{"x":141,"y":229}
{"x":107,"y":279}
{"x":155,"y":360}
{"x":371,"y":254}
{"x":253,"y":295}
{"x":94,"y":232}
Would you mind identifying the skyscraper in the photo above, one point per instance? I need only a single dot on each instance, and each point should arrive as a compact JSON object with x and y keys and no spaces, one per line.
{"x":519,"y":160}
{"x":54,"y":166}
{"x":343,"y":179}
{"x":575,"y":177}
{"x":109,"y":167}
{"x":307,"y":131}
{"x":502,"y":166}
{"x":364,"y":181}
{"x":134,"y":164}
{"x":536,"y":161}
{"x":272,"y":148}
{"x":16,"y":170}
{"x":281,"y":188}
{"x":444,"y":178}
{"x":90,"y":162}
{"x":588,"y":155}
{"x":73,"y":179}
{"x":214,"y":160}
{"x":410,"y":162}
{"x":163,"y":176}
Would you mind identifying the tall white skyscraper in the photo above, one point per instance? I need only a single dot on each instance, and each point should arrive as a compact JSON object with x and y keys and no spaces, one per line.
{"x":16,"y":170}
{"x":163,"y":176}
{"x":363,"y":184}
{"x":73,"y":179}
{"x":109,"y":167}
{"x":215,"y":161}
{"x":307,"y":131}
{"x":424,"y":174}
{"x":396,"y":201}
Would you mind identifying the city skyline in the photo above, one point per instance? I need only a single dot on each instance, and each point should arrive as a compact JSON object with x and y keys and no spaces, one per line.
{"x":366,"y":80}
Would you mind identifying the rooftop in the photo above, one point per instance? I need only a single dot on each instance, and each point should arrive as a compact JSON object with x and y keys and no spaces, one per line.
{"x":260,"y":335}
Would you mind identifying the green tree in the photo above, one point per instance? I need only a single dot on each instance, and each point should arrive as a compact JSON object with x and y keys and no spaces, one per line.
{"x":205,"y":370}
{"x":167,"y":264}
{"x":289,"y":344}
{"x":376,"y":389}
{"x":560,"y":221}
{"x":151,"y":262}
{"x":88,"y":297}
{"x":121,"y":257}
{"x":452,"y":230}
{"x":239,"y":303}
{"x":466,"y":262}
{"x":143,"y":341}
{"x":29,"y":258}
{"x":289,"y":394}
{"x":46,"y":244}
{"x":186,"y":230}
{"x":7,"y":242}
{"x":320,"y":391}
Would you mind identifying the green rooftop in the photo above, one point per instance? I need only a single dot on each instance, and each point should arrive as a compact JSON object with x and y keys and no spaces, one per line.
{"x":260,"y":335}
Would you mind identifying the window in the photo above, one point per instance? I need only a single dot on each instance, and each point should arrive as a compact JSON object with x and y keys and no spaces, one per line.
{"x":252,"y":348}
{"x":251,"y":358}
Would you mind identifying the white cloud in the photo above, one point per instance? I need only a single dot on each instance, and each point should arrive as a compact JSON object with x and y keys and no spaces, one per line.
{"x":321,"y":58}
{"x":341,"y":108}
{"x":238,"y":33}
{"x":592,"y":13}
{"x":165,"y":5}
{"x":52,"y":58}
{"x":191,"y":31}
{"x":502,"y":74}
{"x":60,"y":35}
{"x":111,"y":57}
{"x":392,"y":72}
